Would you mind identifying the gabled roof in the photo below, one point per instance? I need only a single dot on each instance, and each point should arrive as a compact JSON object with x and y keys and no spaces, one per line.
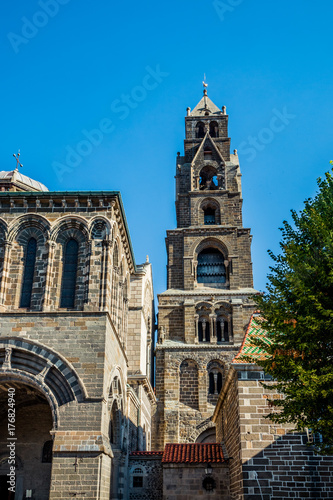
{"x":254,"y":331}
{"x":207,"y":136}
{"x":193,"y":453}
{"x":205,"y":104}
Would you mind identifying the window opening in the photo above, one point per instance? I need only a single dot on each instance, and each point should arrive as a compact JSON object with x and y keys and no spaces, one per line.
{"x":29,"y":269}
{"x":211,"y":268}
{"x":209,"y":216}
{"x":200,"y":130}
{"x":69,"y":274}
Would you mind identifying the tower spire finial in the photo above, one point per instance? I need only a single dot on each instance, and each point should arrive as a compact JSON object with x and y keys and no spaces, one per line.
{"x":17,"y":159}
{"x":205,"y":85}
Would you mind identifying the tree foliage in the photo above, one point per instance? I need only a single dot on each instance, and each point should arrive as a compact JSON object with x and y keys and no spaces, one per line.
{"x":297,"y":313}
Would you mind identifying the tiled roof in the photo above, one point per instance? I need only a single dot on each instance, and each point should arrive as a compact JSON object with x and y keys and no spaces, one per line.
{"x":254,"y":331}
{"x":146,"y":453}
{"x":195,"y":453}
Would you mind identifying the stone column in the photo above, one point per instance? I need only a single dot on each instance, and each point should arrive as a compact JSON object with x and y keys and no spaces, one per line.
{"x":49,"y":280}
{"x":222,"y":329}
{"x":5,"y":275}
{"x":203,"y":322}
{"x":196,"y":339}
{"x":215,"y":382}
{"x":213,"y":337}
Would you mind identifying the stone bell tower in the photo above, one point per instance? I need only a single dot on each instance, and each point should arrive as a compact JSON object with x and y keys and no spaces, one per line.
{"x":205,"y":310}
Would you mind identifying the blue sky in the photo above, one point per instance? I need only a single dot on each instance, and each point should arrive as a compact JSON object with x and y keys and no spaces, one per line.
{"x":128,"y":71}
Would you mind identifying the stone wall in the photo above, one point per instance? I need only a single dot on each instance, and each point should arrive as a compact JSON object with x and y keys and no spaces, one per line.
{"x":152,"y":477}
{"x":269,"y":460}
{"x":75,"y":358}
{"x":178,"y":421}
{"x":185,"y":482}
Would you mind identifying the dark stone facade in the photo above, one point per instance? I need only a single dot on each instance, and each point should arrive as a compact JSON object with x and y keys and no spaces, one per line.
{"x":202,"y":316}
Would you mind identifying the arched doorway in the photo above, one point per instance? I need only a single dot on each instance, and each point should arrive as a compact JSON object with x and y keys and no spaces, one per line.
{"x":32,"y":448}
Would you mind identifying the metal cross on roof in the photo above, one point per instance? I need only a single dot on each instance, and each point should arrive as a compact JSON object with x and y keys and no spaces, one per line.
{"x":17,"y":159}
{"x":205,"y":85}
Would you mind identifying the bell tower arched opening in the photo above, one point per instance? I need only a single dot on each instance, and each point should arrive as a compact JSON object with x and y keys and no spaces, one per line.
{"x":200,"y":130}
{"x":208,"y":178}
{"x":211,"y":268}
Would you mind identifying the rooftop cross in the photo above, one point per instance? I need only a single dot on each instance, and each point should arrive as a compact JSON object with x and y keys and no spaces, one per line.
{"x":17,"y":159}
{"x":205,"y":85}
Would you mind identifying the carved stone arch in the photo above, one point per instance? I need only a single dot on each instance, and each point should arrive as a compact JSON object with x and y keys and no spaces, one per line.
{"x":29,"y":221}
{"x":198,"y":431}
{"x":215,"y":363}
{"x":222,"y":304}
{"x":202,"y":242}
{"x":212,"y":243}
{"x":70,"y":226}
{"x":201,"y":304}
{"x":216,"y":375}
{"x":47,"y":366}
{"x":100,"y":228}
{"x":116,"y":373}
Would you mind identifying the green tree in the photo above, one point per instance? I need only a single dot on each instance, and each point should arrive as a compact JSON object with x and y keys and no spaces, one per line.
{"x":297,"y":313}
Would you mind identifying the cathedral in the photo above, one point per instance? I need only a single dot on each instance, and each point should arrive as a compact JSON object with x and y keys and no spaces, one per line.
{"x":97,"y":401}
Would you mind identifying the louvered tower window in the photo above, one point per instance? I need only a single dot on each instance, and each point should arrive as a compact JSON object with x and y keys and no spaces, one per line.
{"x":69,"y":274}
{"x":209,"y":216}
{"x":29,"y":269}
{"x":211,"y":268}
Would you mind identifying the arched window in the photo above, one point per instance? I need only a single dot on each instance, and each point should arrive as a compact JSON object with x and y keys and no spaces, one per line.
{"x":189,"y":384}
{"x":211,"y":268}
{"x":47,"y":452}
{"x":69,"y":274}
{"x":138,"y":477}
{"x":28,"y":276}
{"x":200,"y":130}
{"x":219,"y":382}
{"x":209,"y":216}
{"x":213,"y":129}
{"x":215,"y":380}
{"x":114,"y":426}
{"x":211,"y":383}
{"x":204,"y":330}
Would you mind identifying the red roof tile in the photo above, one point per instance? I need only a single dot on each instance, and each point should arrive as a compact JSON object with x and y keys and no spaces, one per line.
{"x":146,"y":453}
{"x":194,"y":453}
